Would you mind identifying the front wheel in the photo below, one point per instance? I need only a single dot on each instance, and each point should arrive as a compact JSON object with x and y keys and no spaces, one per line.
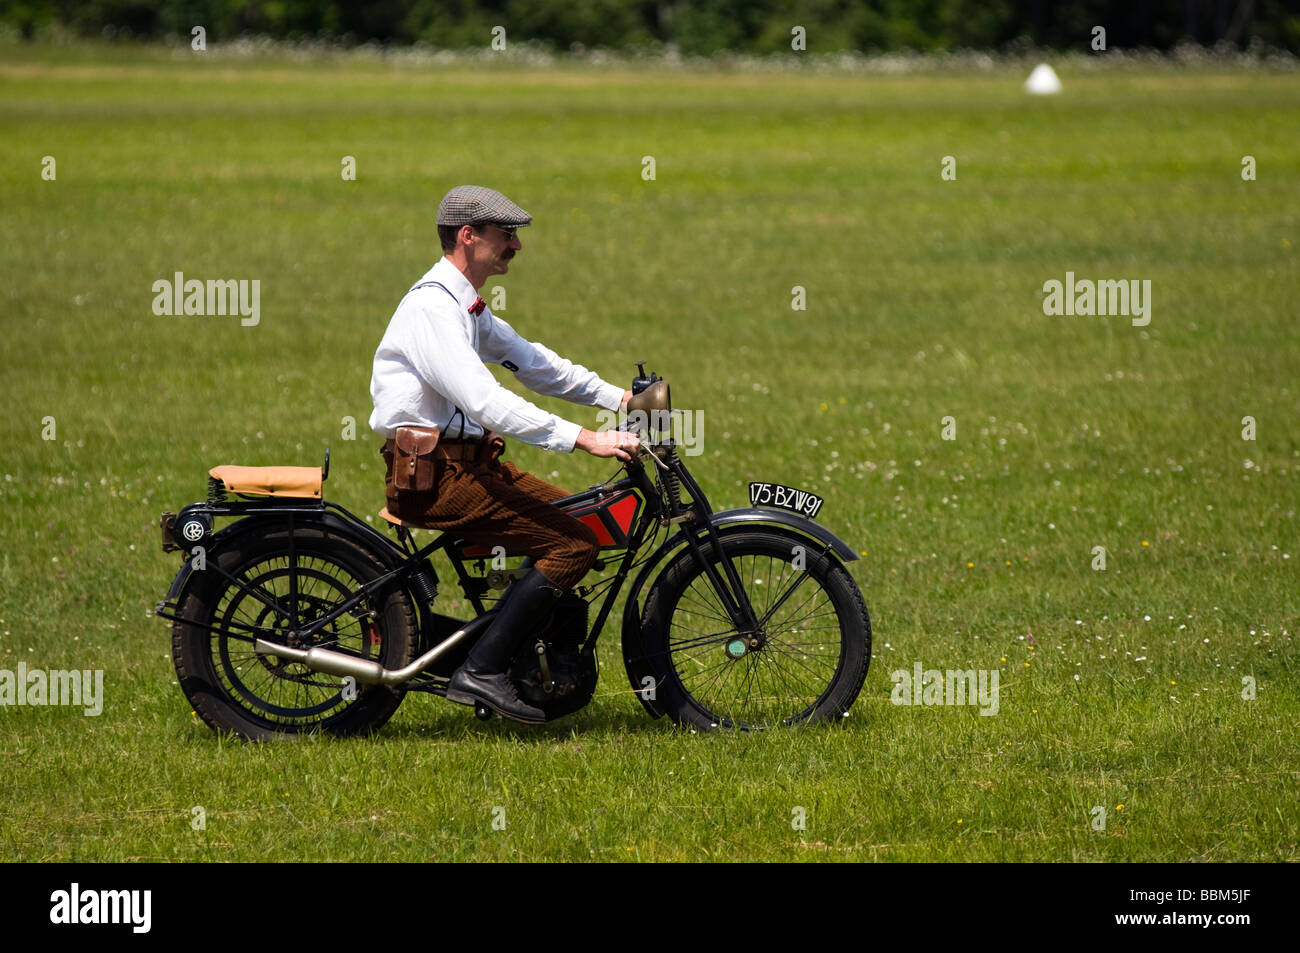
{"x":805,"y":660}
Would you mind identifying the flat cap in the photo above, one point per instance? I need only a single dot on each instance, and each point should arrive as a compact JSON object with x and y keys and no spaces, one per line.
{"x":469,"y":204}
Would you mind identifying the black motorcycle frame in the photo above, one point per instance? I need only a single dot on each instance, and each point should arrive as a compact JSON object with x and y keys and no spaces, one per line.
{"x":410,"y":566}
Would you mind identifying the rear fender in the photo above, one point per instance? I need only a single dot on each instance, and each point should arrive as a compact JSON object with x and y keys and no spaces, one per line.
{"x":377,"y":545}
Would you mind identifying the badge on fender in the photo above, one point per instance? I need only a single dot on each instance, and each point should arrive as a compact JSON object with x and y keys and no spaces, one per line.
{"x":785,"y":498}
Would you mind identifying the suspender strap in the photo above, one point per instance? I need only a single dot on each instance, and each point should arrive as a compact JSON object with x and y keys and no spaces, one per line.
{"x":435,"y":284}
{"x":458,"y":412}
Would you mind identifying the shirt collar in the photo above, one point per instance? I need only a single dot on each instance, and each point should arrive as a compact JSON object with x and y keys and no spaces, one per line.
{"x":455,"y":281}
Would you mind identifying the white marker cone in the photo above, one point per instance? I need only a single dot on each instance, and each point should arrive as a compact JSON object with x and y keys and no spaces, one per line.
{"x":1043,"y":81}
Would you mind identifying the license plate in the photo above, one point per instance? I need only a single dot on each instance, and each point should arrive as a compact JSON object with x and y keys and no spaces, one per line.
{"x":785,"y":498}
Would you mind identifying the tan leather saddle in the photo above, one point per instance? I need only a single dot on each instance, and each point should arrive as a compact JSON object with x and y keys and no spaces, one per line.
{"x":300,"y":482}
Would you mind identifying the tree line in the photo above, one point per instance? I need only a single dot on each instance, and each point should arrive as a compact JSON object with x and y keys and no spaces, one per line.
{"x":700,"y":27}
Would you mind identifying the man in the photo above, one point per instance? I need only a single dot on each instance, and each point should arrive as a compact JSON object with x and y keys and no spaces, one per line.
{"x":430,"y":372}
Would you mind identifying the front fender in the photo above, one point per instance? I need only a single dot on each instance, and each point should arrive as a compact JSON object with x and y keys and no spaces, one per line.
{"x":637,"y":669}
{"x":800,"y":524}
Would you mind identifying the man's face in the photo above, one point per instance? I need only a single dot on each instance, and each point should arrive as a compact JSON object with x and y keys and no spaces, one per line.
{"x":494,"y":247}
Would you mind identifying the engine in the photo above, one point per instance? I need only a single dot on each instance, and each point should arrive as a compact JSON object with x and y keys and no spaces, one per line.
{"x":562,"y":677}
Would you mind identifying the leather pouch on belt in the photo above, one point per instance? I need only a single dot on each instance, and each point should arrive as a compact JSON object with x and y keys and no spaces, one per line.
{"x":413,"y":458}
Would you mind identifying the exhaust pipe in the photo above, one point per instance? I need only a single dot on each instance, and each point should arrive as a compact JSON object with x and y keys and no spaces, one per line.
{"x":364,"y":671}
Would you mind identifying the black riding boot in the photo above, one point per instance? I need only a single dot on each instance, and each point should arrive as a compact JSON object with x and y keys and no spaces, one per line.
{"x":483,"y":679}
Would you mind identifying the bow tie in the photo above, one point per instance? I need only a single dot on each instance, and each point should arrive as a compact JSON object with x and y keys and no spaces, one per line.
{"x":477,"y":307}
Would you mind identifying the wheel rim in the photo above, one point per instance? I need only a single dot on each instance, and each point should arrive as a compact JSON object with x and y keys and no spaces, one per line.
{"x":270,"y":689}
{"x":779,"y":680}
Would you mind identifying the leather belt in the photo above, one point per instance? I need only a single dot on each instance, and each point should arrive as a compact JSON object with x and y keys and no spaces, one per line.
{"x":461,"y":449}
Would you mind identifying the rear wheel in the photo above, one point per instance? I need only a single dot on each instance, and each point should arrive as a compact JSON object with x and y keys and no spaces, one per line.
{"x":804,"y":662}
{"x":254,"y":588}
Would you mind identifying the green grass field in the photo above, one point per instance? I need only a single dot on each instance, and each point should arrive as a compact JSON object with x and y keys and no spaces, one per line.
{"x":1121,"y":688}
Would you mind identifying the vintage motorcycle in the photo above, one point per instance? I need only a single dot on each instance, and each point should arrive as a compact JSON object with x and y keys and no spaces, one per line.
{"x":300,"y":617}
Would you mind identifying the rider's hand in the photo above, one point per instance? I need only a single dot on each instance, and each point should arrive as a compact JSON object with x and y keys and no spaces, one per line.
{"x":627,"y":395}
{"x":608,"y":443}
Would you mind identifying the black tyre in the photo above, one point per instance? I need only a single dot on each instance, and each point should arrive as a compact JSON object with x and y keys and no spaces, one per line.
{"x":814,"y":638}
{"x":261,"y":697}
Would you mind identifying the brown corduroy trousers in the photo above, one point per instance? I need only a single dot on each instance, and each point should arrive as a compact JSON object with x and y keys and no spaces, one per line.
{"x":490,"y":502}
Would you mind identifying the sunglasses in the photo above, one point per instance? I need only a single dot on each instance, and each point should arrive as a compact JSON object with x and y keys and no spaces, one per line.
{"x":509,"y":233}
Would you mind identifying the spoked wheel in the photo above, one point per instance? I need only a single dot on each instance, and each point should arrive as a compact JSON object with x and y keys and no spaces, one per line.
{"x":256,"y":587}
{"x":805,"y":661}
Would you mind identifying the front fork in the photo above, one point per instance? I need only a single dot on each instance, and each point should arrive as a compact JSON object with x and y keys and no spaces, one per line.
{"x":727,"y":585}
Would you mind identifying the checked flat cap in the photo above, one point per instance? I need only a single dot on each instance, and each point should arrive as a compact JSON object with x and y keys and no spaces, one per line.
{"x":470,"y":204}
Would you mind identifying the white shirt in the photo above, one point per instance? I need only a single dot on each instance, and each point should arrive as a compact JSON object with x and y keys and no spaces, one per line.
{"x":432,"y":360}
